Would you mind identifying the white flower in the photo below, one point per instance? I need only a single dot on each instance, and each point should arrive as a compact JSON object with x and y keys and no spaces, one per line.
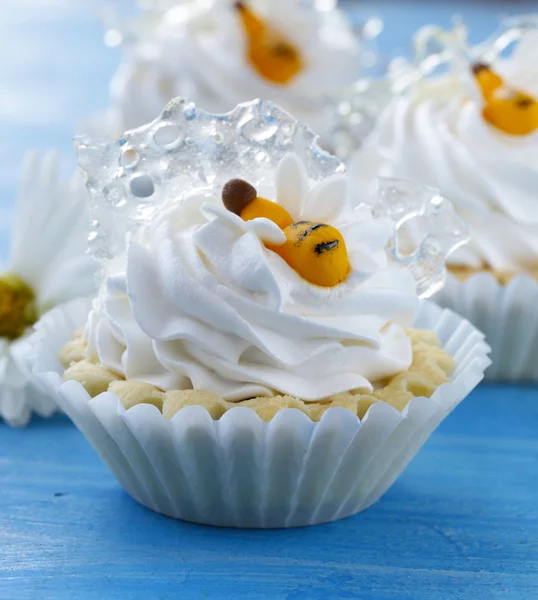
{"x":48,"y":265}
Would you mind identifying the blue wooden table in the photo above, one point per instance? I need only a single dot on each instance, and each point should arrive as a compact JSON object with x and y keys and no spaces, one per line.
{"x":461,"y":522}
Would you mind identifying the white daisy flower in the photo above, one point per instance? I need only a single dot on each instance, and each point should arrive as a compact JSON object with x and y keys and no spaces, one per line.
{"x":47,"y":266}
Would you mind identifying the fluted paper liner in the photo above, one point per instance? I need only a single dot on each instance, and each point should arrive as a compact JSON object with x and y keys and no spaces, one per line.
{"x":243,"y":472}
{"x":506,"y":314}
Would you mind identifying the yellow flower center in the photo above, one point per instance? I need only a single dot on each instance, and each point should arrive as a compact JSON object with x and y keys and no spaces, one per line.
{"x":510,"y":110}
{"x":273,"y":57}
{"x":17,"y":306}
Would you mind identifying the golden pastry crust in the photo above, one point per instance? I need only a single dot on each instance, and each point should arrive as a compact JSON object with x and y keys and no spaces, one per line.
{"x":73,"y":352}
{"x":94,"y":377}
{"x":132,"y":393}
{"x":431,"y":367}
{"x":503,"y":277}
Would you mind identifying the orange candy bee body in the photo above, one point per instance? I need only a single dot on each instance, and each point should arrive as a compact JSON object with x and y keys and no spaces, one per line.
{"x":260,"y":207}
{"x":514,"y":113}
{"x":317,"y":252}
{"x":509,"y":110}
{"x":271,"y":55}
{"x":488,"y":81}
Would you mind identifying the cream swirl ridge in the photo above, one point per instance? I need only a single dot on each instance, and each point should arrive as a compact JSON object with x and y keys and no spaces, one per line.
{"x":436,"y":133}
{"x":204,"y":303}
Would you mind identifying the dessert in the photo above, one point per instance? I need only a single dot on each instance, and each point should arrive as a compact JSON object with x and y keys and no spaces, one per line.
{"x":259,"y":313}
{"x":221,"y":52}
{"x":472,"y":132}
{"x":47,"y":266}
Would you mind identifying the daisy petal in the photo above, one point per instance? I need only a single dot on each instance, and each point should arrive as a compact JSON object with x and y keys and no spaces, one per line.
{"x":266,"y":230}
{"x":326,"y":200}
{"x":291,"y":184}
{"x":50,"y":232}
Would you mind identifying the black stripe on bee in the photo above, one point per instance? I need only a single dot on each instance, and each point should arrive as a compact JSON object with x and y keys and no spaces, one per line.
{"x":524,"y":102}
{"x":284,"y":50}
{"x":308,"y":230}
{"x":325,"y":247}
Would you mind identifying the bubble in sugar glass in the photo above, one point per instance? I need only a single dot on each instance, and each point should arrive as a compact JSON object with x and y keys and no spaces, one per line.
{"x":187,"y":149}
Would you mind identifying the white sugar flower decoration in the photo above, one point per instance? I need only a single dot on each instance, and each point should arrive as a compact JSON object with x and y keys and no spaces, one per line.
{"x":48,"y":265}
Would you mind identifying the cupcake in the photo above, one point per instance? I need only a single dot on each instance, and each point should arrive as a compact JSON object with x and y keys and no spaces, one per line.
{"x":47,"y":266}
{"x":258,"y":355}
{"x":472,"y":132}
{"x":220,"y":52}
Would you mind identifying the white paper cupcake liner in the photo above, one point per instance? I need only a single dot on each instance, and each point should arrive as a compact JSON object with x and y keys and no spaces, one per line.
{"x":506,"y":314}
{"x":240,"y":471}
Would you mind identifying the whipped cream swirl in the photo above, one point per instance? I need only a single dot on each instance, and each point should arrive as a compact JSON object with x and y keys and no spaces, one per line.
{"x":199,"y":50}
{"x":201,"y":302}
{"x":436,"y":134}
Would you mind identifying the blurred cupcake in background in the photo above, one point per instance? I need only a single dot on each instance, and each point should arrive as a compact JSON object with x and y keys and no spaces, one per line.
{"x":258,"y":354}
{"x":47,"y":266}
{"x":465,"y":120}
{"x":300,"y":55}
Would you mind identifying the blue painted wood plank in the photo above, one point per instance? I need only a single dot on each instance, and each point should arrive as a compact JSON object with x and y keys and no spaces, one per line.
{"x":461,"y":522}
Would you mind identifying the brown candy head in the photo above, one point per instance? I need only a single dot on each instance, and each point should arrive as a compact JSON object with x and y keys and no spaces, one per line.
{"x":236,"y":194}
{"x":479,"y":66}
